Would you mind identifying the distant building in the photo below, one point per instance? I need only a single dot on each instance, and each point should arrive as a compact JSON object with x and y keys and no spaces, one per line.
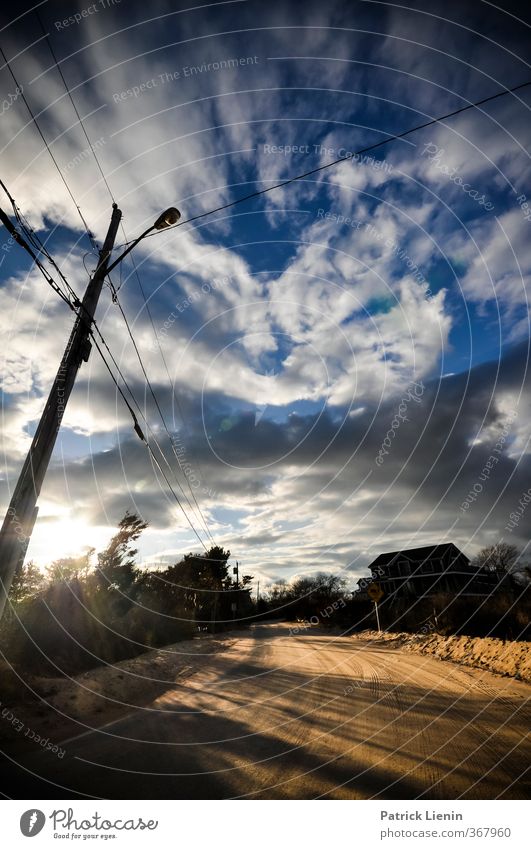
{"x":422,"y":572}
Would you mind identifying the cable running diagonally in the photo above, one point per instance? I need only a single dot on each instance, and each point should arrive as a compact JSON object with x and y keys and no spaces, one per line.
{"x":54,"y":160}
{"x":81,"y":123}
{"x":351,"y":155}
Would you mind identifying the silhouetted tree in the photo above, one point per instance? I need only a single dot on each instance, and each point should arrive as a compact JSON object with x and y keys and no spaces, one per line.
{"x":500,"y":556}
{"x":116,"y":563}
{"x":203,"y":580}
{"x":306,"y":596}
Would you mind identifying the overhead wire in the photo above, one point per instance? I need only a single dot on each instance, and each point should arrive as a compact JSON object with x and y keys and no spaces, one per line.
{"x":114,"y":291}
{"x":69,"y":93}
{"x":174,"y":395}
{"x":94,"y":330}
{"x":348,"y":157}
{"x":39,"y":246}
{"x":163,"y":419}
{"x":24,"y":244}
{"x":54,"y":160}
{"x":140,"y":432}
{"x":75,"y":304}
{"x":257,"y":193}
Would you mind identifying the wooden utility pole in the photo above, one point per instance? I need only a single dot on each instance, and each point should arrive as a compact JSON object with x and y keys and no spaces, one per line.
{"x":22,"y":512}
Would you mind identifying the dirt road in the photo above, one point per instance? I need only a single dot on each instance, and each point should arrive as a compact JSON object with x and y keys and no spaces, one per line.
{"x":302,"y":716}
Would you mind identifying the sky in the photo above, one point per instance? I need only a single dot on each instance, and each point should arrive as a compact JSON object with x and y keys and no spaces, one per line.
{"x":342,"y":363}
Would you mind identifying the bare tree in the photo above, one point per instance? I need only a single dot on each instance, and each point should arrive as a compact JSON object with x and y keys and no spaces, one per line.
{"x":498,"y":557}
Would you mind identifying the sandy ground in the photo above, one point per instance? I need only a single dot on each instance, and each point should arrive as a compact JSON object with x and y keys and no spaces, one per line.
{"x":54,"y":708}
{"x":313,"y":715}
{"x":500,"y":656}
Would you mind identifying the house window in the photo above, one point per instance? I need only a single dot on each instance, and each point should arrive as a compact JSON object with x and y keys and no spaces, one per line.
{"x":403,"y":567}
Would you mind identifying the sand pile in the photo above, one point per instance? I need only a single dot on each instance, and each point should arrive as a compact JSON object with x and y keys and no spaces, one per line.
{"x":501,"y":656}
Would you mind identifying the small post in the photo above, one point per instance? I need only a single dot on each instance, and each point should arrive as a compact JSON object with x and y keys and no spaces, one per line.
{"x":377,"y":617}
{"x":234,"y":605}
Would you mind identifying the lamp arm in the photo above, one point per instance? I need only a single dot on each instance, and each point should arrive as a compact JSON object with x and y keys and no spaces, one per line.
{"x":129,"y":249}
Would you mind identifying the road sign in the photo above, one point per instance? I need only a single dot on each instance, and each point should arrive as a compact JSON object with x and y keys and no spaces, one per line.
{"x":375,"y":592}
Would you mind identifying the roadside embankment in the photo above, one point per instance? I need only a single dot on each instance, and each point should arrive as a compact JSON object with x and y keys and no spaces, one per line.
{"x":500,"y":656}
{"x":54,"y":708}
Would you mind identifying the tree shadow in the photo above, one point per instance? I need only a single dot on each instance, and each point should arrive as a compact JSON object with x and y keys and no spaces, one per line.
{"x":260,"y":732}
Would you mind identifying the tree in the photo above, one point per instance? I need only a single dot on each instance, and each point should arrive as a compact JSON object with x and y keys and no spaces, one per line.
{"x":498,"y":557}
{"x":27,"y":583}
{"x":202,"y":581}
{"x":116,"y":563}
{"x":306,"y":596}
{"x":67,"y":568}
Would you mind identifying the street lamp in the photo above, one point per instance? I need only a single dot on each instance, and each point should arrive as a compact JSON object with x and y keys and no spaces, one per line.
{"x":167,"y":219}
{"x":22,"y":511}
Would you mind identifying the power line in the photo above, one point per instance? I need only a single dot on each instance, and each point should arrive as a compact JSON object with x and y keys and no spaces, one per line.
{"x":69,"y":93}
{"x":39,"y":246}
{"x":93,"y":329}
{"x":87,"y":229}
{"x":347,"y":158}
{"x":222,"y":207}
{"x":174,"y":395}
{"x":163,"y":419}
{"x":181,"y":413}
{"x":138,"y":429}
{"x":115,"y":298}
{"x":22,"y":242}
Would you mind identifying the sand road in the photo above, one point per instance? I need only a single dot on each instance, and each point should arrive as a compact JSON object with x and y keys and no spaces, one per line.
{"x":302,"y":716}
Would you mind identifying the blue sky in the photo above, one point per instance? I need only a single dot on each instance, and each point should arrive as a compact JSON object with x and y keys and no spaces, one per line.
{"x":294,"y":325}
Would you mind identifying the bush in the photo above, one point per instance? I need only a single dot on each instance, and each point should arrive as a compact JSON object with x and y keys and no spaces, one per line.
{"x":83,"y":616}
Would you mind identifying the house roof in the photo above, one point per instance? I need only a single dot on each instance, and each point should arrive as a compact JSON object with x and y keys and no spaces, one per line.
{"x":426,"y":552}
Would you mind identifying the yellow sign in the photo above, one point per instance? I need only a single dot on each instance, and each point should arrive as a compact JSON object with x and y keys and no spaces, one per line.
{"x":375,"y":592}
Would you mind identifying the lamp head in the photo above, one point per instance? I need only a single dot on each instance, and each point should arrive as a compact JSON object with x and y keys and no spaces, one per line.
{"x":169,"y":217}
